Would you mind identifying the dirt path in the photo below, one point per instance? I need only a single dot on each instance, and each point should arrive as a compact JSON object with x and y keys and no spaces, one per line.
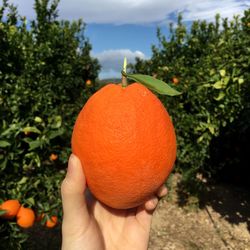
{"x":175,"y":228}
{"x":222,"y":223}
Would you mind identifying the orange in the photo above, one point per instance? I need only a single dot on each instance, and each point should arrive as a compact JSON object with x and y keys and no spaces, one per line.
{"x":88,"y":82}
{"x":51,"y":222}
{"x":175,"y":80}
{"x":11,"y":207}
{"x":53,"y":157}
{"x":25,"y":217}
{"x":126,"y":143}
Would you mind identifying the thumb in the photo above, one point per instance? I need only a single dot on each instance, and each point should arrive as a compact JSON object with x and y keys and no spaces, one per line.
{"x":75,"y":211}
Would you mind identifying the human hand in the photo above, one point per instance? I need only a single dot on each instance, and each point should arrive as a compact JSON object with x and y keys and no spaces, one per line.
{"x":90,"y":225}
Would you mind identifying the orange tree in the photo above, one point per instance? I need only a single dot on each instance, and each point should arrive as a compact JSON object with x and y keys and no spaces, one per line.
{"x":210,"y":64}
{"x":44,"y":66}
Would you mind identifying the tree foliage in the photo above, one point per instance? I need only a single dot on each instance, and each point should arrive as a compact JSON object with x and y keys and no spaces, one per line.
{"x":211,"y":63}
{"x":44,"y":65}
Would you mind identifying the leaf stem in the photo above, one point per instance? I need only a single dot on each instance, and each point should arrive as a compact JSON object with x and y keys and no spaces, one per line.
{"x":124,"y":81}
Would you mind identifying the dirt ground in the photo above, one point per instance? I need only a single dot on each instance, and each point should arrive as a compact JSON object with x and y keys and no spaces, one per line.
{"x":221,"y":223}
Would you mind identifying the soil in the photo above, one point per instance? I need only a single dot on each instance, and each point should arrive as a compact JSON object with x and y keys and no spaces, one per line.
{"x":222,"y":222}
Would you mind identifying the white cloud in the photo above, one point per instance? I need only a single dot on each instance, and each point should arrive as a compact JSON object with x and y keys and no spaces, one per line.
{"x":207,"y":9}
{"x":140,"y":11}
{"x":112,"y":61}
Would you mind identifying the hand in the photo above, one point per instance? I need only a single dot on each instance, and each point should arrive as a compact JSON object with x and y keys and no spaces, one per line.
{"x":90,"y":225}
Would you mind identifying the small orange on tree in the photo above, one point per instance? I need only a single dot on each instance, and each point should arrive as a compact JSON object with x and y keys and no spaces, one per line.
{"x":175,"y":80}
{"x":51,"y":221}
{"x":88,"y":82}
{"x":9,"y":209}
{"x":47,"y":221}
{"x":25,"y":217}
{"x":53,"y":157}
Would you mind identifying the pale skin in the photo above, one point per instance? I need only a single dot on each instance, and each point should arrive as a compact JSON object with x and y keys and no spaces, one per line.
{"x":90,"y":225}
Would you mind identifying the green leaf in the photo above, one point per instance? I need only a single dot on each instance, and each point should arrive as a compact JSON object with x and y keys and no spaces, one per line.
{"x":35,"y":144}
{"x":221,"y":41}
{"x":53,"y":134}
{"x":3,"y":164}
{"x":38,"y":119}
{"x":31,"y":201}
{"x":32,"y":129}
{"x":235,"y":79}
{"x":154,"y":84}
{"x":222,"y":72}
{"x":218,"y":85}
{"x":23,"y":180}
{"x":4,"y":144}
{"x":226,"y":80}
{"x":206,"y":85}
{"x":55,"y":121}
{"x":240,"y":80}
{"x":211,"y":129}
{"x":211,"y":72}
{"x":36,"y":183}
{"x":220,"y":96}
{"x":224,"y":123}
{"x":8,"y":131}
{"x":200,"y":139}
{"x":27,"y":140}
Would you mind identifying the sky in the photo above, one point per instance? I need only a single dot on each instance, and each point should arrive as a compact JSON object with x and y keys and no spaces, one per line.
{"x":119,"y":28}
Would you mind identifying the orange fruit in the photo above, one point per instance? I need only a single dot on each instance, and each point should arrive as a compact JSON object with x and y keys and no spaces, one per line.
{"x":88,"y":82}
{"x":53,"y":157}
{"x":25,"y":217}
{"x":11,"y":207}
{"x":51,"y":222}
{"x":175,"y":80}
{"x":126,"y":143}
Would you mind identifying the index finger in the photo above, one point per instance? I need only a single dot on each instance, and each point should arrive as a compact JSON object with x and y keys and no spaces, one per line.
{"x":162,"y":191}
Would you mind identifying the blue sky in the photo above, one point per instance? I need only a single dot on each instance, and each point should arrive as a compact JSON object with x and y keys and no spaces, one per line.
{"x":118,"y":28}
